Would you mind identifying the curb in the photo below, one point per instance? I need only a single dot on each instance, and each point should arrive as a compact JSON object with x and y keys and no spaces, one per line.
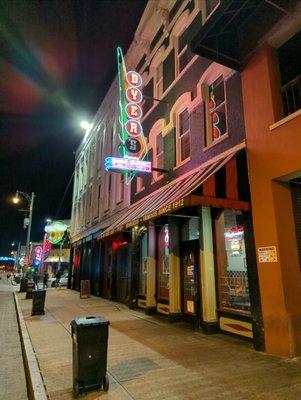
{"x":34,"y":378}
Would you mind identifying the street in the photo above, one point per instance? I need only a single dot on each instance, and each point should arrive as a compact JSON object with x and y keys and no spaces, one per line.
{"x":151,"y":359}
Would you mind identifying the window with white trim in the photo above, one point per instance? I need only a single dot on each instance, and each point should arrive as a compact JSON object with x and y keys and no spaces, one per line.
{"x":98,"y":198}
{"x":183,"y":53}
{"x":108,"y":194}
{"x":158,"y":81}
{"x":183,"y":136}
{"x":159,"y":155}
{"x":139,"y":184}
{"x":215,"y":103}
{"x":120,"y":188}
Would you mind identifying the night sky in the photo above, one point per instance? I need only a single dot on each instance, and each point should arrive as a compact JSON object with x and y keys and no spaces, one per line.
{"x":57,"y":60}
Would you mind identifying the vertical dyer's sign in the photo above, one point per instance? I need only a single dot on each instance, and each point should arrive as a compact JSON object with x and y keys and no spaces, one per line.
{"x":133,"y":147}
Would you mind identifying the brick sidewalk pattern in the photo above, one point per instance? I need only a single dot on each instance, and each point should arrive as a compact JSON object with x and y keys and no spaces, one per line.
{"x":12,"y":375}
{"x":153,"y":360}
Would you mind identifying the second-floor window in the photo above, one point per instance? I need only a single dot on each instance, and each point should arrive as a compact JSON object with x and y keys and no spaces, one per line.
{"x":139,"y":184}
{"x":159,"y":160}
{"x":158,"y":87}
{"x":108,"y":194}
{"x":120,"y":188}
{"x":98,"y":198}
{"x":183,"y":136}
{"x":215,"y":110}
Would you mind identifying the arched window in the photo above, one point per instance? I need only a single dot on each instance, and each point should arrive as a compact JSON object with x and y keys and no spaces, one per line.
{"x":180,"y":115}
{"x":213,"y":90}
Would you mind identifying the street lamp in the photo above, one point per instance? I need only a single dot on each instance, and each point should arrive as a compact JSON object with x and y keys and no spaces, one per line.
{"x":85,"y":125}
{"x":30,"y":200}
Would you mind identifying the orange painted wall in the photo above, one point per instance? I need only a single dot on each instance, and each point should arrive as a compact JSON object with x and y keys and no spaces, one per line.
{"x":272,"y":154}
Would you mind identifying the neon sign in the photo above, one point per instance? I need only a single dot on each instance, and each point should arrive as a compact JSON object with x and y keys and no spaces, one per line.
{"x":55,"y":231}
{"x":235,"y":232}
{"x":166,"y":235}
{"x":127,"y":164}
{"x":132,"y":148}
{"x":7,"y":258}
{"x":37,"y":258}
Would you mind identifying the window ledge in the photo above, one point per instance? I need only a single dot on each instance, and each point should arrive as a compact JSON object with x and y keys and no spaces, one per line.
{"x":285,"y":120}
{"x":221,"y":139}
{"x":182,"y":163}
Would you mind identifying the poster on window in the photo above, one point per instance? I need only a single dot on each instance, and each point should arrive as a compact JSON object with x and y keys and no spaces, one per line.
{"x":190,"y":306}
{"x":190,"y":270}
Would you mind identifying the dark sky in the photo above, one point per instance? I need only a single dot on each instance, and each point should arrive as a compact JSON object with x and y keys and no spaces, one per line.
{"x":57,"y":60}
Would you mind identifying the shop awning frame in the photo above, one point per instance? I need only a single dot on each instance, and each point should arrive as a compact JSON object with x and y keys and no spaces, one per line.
{"x":176,"y":195}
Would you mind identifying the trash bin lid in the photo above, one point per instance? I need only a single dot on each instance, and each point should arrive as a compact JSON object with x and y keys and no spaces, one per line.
{"x":88,"y":321}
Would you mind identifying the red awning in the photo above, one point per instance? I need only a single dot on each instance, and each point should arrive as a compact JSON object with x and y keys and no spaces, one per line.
{"x":173,"y":196}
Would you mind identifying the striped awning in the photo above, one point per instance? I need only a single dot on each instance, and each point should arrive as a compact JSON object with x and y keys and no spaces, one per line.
{"x":180,"y":193}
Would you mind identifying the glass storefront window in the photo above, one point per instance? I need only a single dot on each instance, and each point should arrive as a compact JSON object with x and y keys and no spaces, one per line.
{"x":163,"y":263}
{"x":231,"y":260}
{"x":190,"y":229}
{"x":143,"y":264}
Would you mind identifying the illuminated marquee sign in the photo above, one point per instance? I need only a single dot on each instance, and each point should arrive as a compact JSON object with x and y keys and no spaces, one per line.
{"x":127,"y":164}
{"x":55,"y":231}
{"x":133,"y":148}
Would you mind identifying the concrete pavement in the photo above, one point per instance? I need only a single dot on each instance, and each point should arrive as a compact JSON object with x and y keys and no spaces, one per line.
{"x":153,"y":360}
{"x":12,"y":375}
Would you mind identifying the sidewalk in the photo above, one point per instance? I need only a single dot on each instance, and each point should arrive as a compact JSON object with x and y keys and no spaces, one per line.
{"x":12,"y":375}
{"x":153,"y":360}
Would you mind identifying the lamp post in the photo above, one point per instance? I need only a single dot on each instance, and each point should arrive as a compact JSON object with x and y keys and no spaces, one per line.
{"x":17,"y":259}
{"x":30,"y":200}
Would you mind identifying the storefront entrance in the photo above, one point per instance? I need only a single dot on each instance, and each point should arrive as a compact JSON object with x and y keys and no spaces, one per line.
{"x":122,"y":278}
{"x":190,"y":280}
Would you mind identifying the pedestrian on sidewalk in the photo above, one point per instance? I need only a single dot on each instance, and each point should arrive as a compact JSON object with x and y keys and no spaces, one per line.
{"x":45,"y":280}
{"x":58,"y":277}
{"x":35,"y":279}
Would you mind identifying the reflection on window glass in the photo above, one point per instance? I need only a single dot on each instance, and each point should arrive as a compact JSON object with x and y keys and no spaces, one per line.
{"x":184,"y":135}
{"x":231,"y":259}
{"x":143,"y":263}
{"x":163,"y":262}
{"x":190,"y":229}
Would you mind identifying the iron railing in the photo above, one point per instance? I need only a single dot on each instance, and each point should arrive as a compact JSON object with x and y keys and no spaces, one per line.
{"x":291,"y":96}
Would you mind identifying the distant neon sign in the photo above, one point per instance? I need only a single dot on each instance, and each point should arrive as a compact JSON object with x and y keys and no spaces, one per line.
{"x":132,"y":148}
{"x":37,"y":259}
{"x":55,"y":231}
{"x":235,"y":232}
{"x":7,"y":258}
{"x":127,"y":164}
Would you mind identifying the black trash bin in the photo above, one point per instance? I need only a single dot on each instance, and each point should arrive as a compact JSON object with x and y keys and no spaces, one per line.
{"x":90,"y":343}
{"x":38,"y":302}
{"x":23,"y":285}
{"x":30,"y":288}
